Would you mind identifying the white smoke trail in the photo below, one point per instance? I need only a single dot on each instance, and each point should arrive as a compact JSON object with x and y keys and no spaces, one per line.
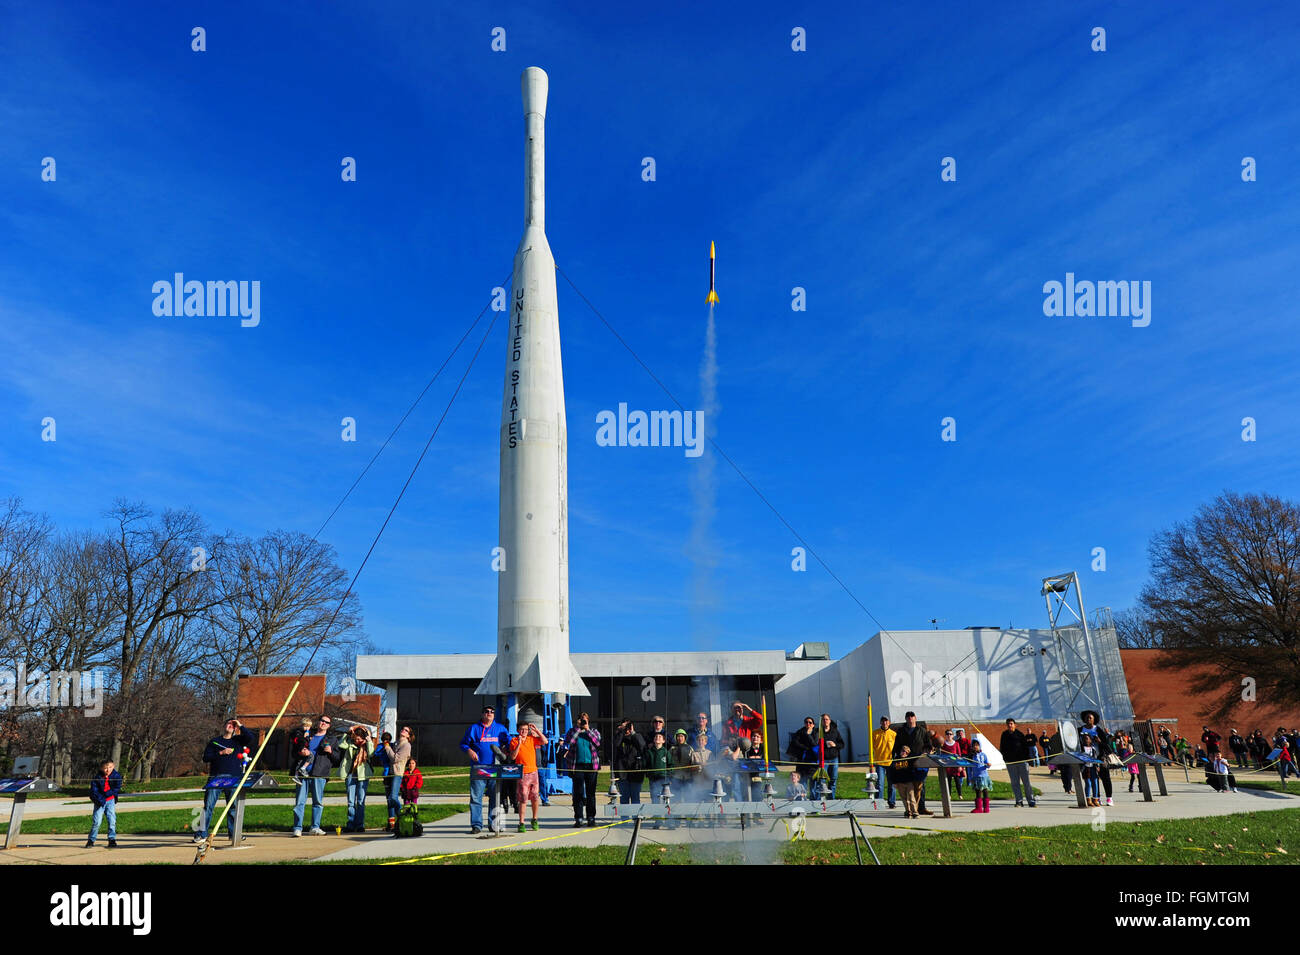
{"x":758,"y":844}
{"x":704,"y":494}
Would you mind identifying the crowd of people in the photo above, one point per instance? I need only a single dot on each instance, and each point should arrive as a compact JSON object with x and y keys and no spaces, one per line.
{"x":695,"y":764}
{"x":1251,"y":751}
{"x":688,"y":763}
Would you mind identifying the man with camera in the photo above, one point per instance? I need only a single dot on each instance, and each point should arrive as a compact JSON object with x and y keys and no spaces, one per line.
{"x":582,"y":759}
{"x":324,"y":757}
{"x":223,"y":758}
{"x":397,"y":755}
{"x":629,"y":748}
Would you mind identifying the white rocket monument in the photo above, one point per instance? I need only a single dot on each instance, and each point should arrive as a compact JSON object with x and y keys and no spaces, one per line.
{"x":533,"y":585}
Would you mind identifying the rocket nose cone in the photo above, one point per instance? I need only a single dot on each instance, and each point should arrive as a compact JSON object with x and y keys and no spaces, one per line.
{"x":535,"y":84}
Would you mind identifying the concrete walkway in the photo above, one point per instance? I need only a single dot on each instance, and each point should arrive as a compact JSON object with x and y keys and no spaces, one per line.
{"x":1055,"y":808}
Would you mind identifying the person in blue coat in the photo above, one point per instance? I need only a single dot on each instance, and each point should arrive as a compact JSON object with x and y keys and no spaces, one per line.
{"x":483,"y":742}
{"x":225,"y":756}
{"x":105,"y":786}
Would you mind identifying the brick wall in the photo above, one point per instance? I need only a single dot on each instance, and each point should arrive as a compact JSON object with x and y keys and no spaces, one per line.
{"x":1164,"y":694}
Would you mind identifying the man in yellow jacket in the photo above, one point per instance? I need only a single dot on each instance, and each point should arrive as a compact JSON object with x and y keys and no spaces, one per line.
{"x":882,"y":749}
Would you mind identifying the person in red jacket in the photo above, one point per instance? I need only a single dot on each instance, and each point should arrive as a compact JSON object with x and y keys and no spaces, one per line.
{"x":1210,"y":740}
{"x":741,"y":725}
{"x":412,"y":783}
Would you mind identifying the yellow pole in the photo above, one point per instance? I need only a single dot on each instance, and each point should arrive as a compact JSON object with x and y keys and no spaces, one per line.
{"x":871,"y":747}
{"x":763,"y":700}
{"x":203,"y":849}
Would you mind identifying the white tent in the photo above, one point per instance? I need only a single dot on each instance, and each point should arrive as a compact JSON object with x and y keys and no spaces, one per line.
{"x":988,"y":749}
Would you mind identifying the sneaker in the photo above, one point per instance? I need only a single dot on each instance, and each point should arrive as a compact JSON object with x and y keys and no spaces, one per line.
{"x":1019,"y":804}
{"x":112,"y":843}
{"x":577,"y":824}
{"x":297,"y":833}
{"x":1033,"y":804}
{"x":522,"y":827}
{"x":476,"y":830}
{"x":1110,"y":801}
{"x":90,"y":844}
{"x":315,"y":831}
{"x":534,"y":825}
{"x":591,"y":823}
{"x":199,"y":840}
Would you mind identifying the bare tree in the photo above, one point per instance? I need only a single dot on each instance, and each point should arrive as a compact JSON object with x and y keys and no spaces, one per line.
{"x":1136,"y":630}
{"x":80,"y":626}
{"x":340,"y":666}
{"x":158,"y":582}
{"x":1225,"y":598}
{"x":284,"y":594}
{"x":23,"y":537}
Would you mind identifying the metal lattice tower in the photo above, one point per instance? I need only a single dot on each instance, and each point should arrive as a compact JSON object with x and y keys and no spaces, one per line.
{"x":1076,"y":658}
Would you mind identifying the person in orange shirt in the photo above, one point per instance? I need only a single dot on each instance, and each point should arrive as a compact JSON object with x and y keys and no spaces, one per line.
{"x":523,"y":750}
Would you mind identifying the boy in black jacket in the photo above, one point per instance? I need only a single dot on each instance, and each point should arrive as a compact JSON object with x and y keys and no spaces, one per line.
{"x":105,"y":786}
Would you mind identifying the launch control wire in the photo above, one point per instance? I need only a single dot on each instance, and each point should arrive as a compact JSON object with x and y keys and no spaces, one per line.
{"x":203,"y":848}
{"x":414,"y":405}
{"x":735,"y":467}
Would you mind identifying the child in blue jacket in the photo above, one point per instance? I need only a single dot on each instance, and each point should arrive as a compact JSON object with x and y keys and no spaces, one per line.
{"x":104,"y":789}
{"x":978,"y":776}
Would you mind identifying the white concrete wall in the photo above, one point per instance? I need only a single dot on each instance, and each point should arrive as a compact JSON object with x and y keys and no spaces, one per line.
{"x":946,"y":677}
{"x":955,"y":676}
{"x":964,"y":675}
{"x":799,"y":693}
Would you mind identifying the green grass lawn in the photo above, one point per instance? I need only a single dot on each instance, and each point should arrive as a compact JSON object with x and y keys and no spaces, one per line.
{"x":448,"y":781}
{"x":456,"y":781}
{"x":256,"y":819}
{"x":1253,"y":838}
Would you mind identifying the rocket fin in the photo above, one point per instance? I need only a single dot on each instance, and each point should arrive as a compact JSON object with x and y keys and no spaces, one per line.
{"x":556,"y":675}
{"x":488,"y":685}
{"x":562,"y":677}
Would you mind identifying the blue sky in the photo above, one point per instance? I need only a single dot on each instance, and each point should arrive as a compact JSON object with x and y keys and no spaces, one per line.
{"x":818,"y":169}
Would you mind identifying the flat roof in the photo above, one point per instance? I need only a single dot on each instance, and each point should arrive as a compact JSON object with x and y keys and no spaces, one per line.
{"x":380,"y":668}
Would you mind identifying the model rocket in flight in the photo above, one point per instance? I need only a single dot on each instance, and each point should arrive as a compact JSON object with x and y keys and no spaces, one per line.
{"x":713,"y":296}
{"x":533,"y":583}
